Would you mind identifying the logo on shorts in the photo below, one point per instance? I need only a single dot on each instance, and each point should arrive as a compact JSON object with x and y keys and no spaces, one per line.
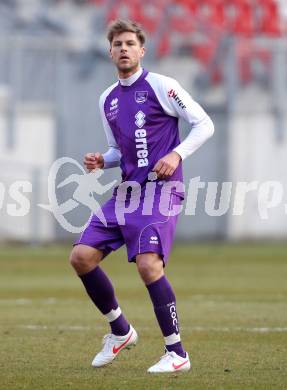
{"x":141,"y":96}
{"x":153,"y":240}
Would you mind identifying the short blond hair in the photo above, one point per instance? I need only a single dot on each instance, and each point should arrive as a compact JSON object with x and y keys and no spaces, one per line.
{"x":119,"y":26}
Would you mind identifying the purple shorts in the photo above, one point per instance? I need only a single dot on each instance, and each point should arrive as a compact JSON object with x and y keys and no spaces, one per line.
{"x":140,"y":233}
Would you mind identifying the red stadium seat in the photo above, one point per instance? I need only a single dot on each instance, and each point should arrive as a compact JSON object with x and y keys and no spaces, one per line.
{"x":138,"y":11}
{"x":240,"y":16}
{"x":129,"y":7}
{"x":191,"y":5}
{"x":97,"y":2}
{"x":164,"y":47}
{"x":208,"y":14}
{"x":183,"y":22}
{"x":270,"y":18}
{"x":247,"y":51}
{"x":150,"y":14}
{"x":212,"y":11}
{"x":198,"y":13}
{"x":203,"y":53}
{"x":244,"y":57}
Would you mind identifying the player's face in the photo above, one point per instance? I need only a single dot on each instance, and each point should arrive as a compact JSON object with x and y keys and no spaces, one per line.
{"x":126,"y":53}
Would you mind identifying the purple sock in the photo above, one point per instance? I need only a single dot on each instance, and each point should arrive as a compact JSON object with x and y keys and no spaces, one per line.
{"x":164,"y":303}
{"x":101,"y":292}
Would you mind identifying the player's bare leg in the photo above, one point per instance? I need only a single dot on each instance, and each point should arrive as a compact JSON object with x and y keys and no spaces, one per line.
{"x":85,"y":260}
{"x":150,"y":267}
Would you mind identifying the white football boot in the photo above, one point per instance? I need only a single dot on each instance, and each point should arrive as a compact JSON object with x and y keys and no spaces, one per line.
{"x":112,"y":345}
{"x":171,"y":362}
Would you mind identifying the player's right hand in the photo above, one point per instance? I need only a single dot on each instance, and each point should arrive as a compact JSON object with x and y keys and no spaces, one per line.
{"x":93,"y":161}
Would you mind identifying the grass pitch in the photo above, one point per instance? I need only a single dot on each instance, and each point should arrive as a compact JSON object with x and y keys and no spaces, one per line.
{"x":232,"y":309}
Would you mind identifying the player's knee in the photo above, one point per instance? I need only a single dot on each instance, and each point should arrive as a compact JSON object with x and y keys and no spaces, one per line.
{"x":150,"y":268}
{"x":84,"y":258}
{"x":143,"y":268}
{"x":77,"y":257}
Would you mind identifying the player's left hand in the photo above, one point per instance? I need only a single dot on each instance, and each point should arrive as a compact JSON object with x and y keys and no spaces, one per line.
{"x":166,"y":166}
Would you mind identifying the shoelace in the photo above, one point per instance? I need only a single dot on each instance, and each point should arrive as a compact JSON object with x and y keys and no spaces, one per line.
{"x":107,"y":341}
{"x":167,"y":356}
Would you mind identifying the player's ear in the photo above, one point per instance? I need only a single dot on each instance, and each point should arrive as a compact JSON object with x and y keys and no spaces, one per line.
{"x":142,"y":51}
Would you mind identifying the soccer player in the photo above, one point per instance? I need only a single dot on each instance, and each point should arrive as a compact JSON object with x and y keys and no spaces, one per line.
{"x":140,"y":115}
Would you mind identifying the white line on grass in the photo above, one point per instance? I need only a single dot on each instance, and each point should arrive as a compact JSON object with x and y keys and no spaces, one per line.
{"x":238,"y":329}
{"x":46,"y":327}
{"x":192,"y":328}
{"x":196,"y":299}
{"x":26,"y":301}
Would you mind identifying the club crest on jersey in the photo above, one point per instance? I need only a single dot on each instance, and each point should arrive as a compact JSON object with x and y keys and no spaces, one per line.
{"x":173,"y":94}
{"x":141,"y":96}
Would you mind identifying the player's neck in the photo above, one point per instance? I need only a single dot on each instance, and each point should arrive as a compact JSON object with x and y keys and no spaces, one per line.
{"x":126,"y":75}
{"x":134,"y":76}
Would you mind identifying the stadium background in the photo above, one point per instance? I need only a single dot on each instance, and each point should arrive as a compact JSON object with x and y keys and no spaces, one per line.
{"x":231,"y":55}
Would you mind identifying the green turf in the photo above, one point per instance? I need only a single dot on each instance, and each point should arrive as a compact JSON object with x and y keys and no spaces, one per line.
{"x":227,"y":295}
